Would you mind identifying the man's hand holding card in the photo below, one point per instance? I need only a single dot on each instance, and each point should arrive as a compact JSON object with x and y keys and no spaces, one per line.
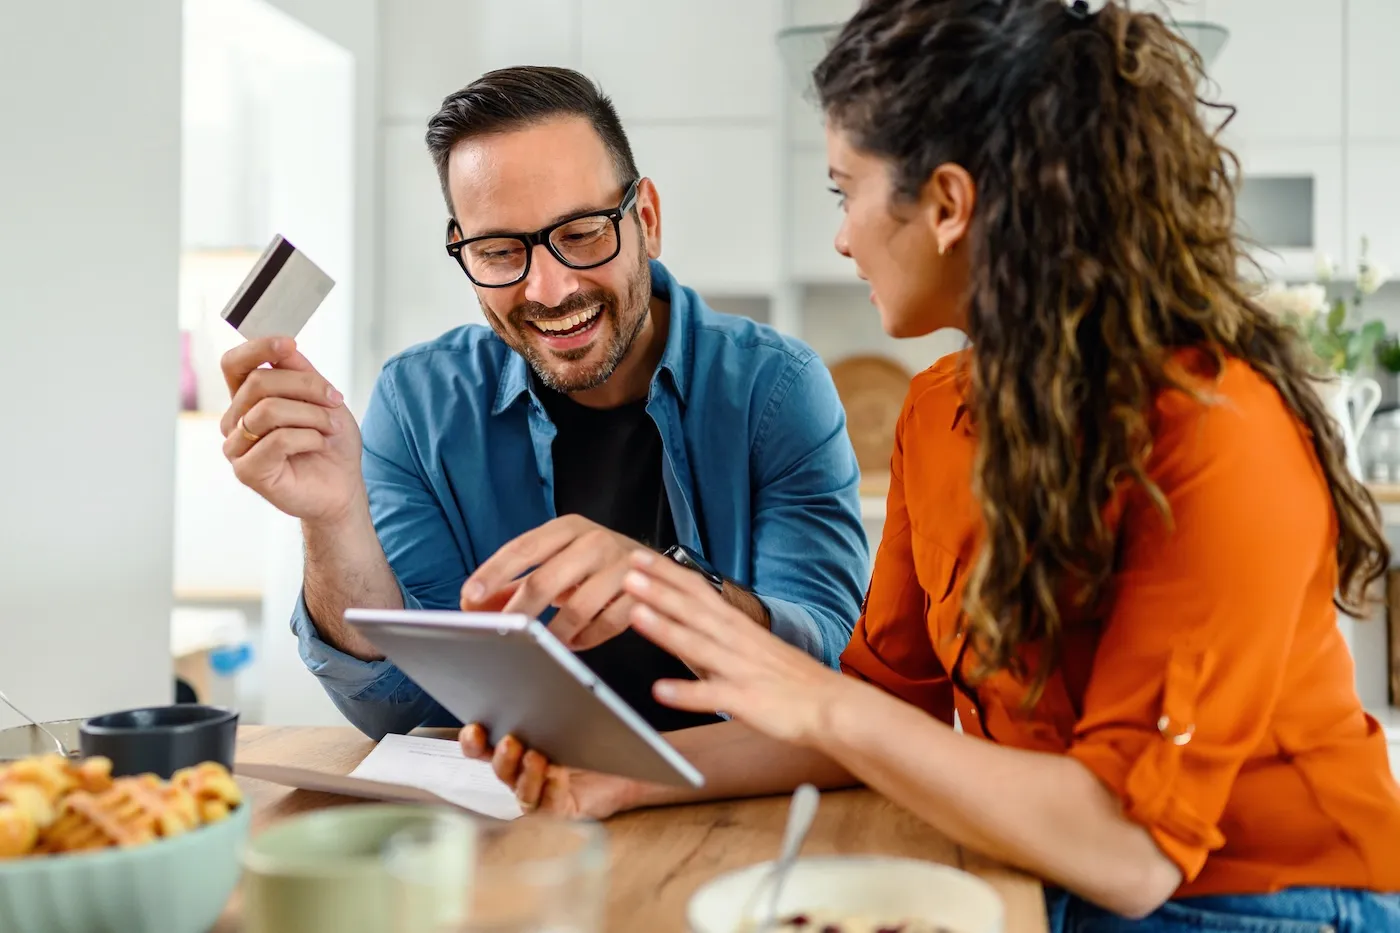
{"x":287,"y":432}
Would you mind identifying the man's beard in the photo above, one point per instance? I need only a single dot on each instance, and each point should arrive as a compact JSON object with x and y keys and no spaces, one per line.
{"x":624,"y":317}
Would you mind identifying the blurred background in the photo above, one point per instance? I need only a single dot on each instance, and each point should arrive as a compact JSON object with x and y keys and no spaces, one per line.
{"x":150,"y":149}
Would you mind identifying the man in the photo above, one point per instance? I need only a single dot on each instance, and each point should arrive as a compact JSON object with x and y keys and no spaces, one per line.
{"x":603,"y":392}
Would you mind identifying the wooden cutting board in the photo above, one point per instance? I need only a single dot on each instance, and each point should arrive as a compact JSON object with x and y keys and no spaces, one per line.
{"x":872,"y":389}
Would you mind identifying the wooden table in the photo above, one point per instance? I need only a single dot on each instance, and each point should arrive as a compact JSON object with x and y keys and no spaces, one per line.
{"x":659,"y":857}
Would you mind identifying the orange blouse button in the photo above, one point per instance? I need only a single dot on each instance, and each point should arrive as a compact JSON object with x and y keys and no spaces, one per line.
{"x":1175,"y":733}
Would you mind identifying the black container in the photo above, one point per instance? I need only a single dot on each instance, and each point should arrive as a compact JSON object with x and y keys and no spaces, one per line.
{"x":161,"y":739}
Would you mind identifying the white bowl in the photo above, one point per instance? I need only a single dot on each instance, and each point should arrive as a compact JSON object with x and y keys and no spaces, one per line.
{"x":876,"y":887}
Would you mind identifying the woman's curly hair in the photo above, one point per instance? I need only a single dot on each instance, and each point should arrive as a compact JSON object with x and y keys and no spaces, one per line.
{"x":1102,"y":242}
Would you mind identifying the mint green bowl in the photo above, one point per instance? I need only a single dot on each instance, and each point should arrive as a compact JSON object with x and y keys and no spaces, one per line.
{"x":177,"y":885}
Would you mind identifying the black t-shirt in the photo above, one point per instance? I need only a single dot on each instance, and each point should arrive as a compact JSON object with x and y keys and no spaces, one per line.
{"x":607,"y":468}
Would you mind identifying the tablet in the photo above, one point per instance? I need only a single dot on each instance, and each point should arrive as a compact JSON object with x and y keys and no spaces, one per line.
{"x":510,"y":674}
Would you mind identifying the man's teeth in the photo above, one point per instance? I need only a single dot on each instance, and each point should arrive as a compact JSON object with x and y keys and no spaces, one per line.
{"x":569,"y":323}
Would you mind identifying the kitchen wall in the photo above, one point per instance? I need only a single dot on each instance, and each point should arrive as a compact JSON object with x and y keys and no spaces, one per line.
{"x":280,"y":100}
{"x":734,"y":148}
{"x":90,"y":223}
{"x":737,"y":153}
{"x":709,"y":135}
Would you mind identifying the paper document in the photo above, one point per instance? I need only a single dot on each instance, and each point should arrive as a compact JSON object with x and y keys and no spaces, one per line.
{"x":437,"y":766}
{"x":407,"y":769}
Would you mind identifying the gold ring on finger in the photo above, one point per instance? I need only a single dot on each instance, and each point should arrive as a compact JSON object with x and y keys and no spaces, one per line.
{"x":252,"y":438}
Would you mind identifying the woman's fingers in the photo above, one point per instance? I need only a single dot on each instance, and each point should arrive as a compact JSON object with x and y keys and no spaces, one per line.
{"x":681,"y":578}
{"x":710,"y":616}
{"x":698,"y":651}
{"x":699,"y":696}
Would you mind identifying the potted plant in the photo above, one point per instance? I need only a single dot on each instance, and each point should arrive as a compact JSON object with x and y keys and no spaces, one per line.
{"x":1388,"y":359}
{"x":1341,"y":339}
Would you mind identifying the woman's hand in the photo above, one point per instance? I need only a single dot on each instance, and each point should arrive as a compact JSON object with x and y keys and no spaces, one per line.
{"x":539,"y":785}
{"x":746,"y":671}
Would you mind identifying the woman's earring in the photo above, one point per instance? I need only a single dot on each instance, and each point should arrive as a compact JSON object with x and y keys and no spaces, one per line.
{"x":941,"y":248}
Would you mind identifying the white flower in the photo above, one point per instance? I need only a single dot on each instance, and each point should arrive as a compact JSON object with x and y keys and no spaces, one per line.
{"x":1326,"y":268}
{"x":1370,"y":277}
{"x":1302,"y":302}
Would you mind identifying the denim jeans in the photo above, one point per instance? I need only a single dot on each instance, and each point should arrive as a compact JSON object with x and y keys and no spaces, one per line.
{"x":1297,"y":910}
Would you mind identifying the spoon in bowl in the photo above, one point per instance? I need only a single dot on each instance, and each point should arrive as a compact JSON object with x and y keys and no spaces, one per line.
{"x":800,"y":815}
{"x":62,"y":749}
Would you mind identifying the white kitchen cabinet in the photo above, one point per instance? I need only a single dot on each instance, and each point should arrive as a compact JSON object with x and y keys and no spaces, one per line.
{"x":814,"y":216}
{"x":719,"y":209}
{"x":430,"y":48}
{"x":1373,"y":70}
{"x":425,"y":293}
{"x":1373,"y":202}
{"x":809,"y":12}
{"x":1285,"y":187}
{"x":1282,"y":67}
{"x":698,"y":61}
{"x":806,"y":124}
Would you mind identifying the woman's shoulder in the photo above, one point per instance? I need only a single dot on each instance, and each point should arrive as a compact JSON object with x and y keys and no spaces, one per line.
{"x":1228,"y":421}
{"x":938,"y":390}
{"x":1224,"y":395}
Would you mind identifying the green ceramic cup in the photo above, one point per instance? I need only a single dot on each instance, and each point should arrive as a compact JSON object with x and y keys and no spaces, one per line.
{"x":325,"y":870}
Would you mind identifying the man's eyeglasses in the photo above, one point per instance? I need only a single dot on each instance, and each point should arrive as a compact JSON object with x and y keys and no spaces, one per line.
{"x":581,"y":242}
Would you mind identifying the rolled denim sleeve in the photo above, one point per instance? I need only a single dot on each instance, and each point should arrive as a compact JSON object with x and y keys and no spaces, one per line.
{"x":811,"y":558}
{"x":375,"y":696}
{"x":796,"y":626}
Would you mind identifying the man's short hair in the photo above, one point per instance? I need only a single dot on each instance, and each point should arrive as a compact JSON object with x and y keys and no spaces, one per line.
{"x":513,"y":98}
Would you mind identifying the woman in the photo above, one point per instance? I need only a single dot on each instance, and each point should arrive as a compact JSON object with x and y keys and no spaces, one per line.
{"x":1116,"y":524}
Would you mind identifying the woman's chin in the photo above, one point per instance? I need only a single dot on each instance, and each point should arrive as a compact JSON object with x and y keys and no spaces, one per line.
{"x":901,"y":327}
{"x":903,"y":322}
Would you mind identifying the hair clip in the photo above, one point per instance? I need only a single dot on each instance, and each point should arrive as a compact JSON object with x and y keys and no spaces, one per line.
{"x":1083,"y":9}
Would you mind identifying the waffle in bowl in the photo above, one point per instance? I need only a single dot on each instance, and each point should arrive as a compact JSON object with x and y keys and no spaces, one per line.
{"x":131,"y":853}
{"x":51,"y":805}
{"x":32,"y":791}
{"x":215,"y":792}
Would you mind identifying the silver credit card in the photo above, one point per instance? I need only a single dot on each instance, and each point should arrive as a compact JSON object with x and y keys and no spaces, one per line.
{"x":282,"y":291}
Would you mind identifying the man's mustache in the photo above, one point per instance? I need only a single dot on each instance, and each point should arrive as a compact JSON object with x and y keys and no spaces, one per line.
{"x":531,"y":311}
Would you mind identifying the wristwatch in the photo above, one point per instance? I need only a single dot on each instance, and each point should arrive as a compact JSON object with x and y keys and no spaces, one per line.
{"x":689,"y":559}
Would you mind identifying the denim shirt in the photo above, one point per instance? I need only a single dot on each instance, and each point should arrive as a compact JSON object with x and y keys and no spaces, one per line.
{"x":759,"y":473}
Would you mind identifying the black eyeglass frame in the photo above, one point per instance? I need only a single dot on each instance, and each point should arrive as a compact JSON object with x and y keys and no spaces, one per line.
{"x":541,"y":237}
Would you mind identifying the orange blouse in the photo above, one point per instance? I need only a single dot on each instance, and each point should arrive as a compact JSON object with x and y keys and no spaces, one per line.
{"x":1215,"y":695}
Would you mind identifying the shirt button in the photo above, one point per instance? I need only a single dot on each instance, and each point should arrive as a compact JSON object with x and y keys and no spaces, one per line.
{"x":1175,"y":732}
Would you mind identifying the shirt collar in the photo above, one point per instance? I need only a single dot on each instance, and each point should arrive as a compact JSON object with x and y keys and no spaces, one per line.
{"x":675,"y":358}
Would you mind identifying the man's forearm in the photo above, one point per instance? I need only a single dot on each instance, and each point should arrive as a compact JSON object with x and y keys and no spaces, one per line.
{"x":740,"y":762}
{"x":747,"y":603}
{"x":345,"y":567}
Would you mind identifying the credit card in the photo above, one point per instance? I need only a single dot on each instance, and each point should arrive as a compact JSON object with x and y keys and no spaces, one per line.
{"x":282,"y":291}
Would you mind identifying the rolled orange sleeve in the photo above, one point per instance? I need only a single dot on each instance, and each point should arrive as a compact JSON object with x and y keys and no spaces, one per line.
{"x":891,"y":646}
{"x":1191,"y":660}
